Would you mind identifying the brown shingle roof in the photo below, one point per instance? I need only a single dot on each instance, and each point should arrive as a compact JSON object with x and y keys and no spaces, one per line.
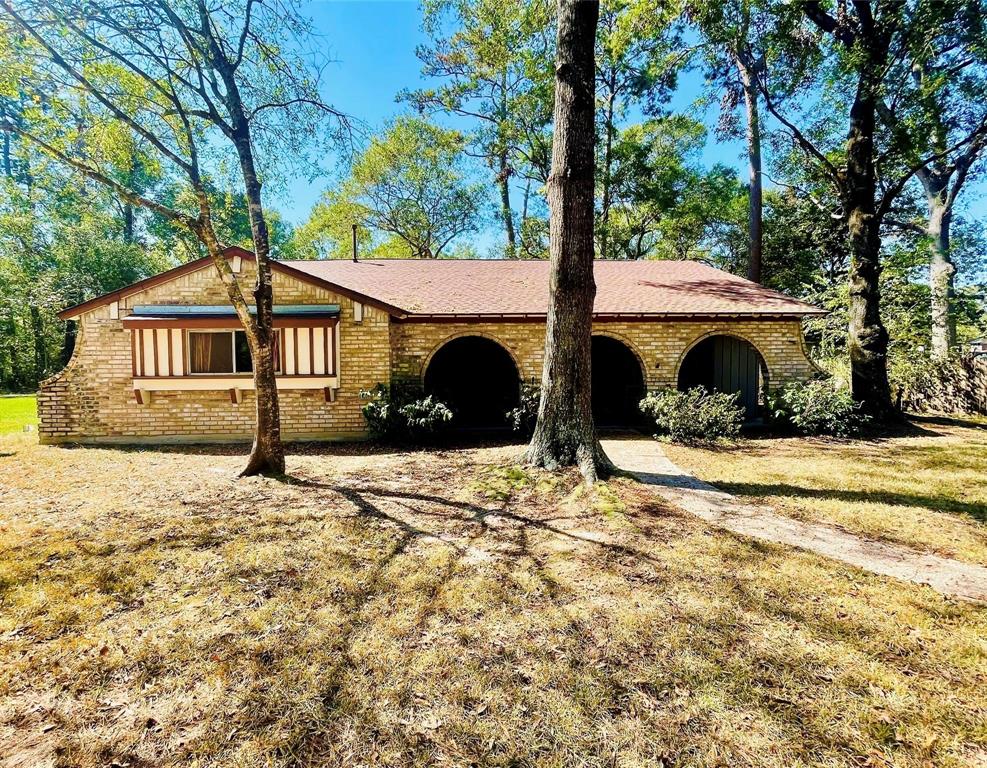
{"x":520,"y":288}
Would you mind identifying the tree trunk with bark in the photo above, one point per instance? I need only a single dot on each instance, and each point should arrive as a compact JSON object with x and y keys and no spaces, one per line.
{"x":941,"y":275}
{"x":564,"y":433}
{"x":267,"y":452}
{"x":867,"y":336}
{"x":607,"y":181}
{"x":503,"y":181}
{"x":756,"y":211}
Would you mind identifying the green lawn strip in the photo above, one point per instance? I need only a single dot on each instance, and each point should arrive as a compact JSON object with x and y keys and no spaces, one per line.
{"x":17,"y":411}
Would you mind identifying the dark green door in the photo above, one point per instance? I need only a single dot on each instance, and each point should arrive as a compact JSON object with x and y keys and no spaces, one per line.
{"x":725,"y":364}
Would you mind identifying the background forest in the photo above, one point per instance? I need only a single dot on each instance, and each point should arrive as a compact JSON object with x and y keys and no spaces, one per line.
{"x":460,"y":171}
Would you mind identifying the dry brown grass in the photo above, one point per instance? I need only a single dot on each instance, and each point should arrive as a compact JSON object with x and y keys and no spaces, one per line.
{"x":926,"y":488}
{"x":444,"y":609}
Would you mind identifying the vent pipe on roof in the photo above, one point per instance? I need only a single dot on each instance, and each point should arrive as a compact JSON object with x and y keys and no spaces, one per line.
{"x":354,"y":243}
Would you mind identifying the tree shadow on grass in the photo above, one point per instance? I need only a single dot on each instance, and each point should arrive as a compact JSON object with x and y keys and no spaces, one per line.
{"x":718,"y":626}
{"x":971,"y":422}
{"x":976,"y":511}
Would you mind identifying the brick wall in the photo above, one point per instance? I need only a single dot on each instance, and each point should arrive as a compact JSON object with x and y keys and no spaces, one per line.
{"x":92,"y":398}
{"x":660,"y":346}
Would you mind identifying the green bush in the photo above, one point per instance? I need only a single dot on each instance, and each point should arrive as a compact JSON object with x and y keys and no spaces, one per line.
{"x":522,"y":419}
{"x":389,"y":418}
{"x":818,"y":407}
{"x":693,"y":416}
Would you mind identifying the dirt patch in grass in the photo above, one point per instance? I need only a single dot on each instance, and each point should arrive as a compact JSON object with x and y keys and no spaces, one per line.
{"x":925,"y":489}
{"x":444,"y":608}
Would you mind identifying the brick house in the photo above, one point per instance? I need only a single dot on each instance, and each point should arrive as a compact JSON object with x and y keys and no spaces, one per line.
{"x":162,"y":361}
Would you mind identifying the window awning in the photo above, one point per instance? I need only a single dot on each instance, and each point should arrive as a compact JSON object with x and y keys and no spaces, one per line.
{"x":224,"y":316}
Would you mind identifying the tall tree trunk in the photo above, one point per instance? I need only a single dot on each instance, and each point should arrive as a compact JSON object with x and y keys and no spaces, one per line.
{"x":936,"y":183}
{"x":128,"y":208}
{"x":607,"y":182}
{"x":941,"y":274}
{"x":267,"y":452}
{"x":504,"y":182}
{"x":755,"y":215}
{"x":68,"y":342}
{"x":867,"y":336}
{"x":504,"y":171}
{"x":38,"y":341}
{"x":564,"y":434}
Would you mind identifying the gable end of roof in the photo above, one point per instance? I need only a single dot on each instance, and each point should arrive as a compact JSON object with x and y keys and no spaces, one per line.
{"x":206,"y":261}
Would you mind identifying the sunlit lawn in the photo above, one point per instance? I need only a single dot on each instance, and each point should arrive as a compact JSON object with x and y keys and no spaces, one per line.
{"x":926,"y":488}
{"x":17,"y":411}
{"x":445,"y":608}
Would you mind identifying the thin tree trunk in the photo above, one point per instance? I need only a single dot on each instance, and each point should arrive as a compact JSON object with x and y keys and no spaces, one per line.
{"x":605,"y":196}
{"x":941,"y":275}
{"x":267,"y":452}
{"x":68,"y":341}
{"x":564,"y":434}
{"x":936,"y":183}
{"x":755,"y":215}
{"x":503,"y":181}
{"x":38,"y":341}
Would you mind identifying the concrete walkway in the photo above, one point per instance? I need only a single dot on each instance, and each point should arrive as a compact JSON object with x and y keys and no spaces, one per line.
{"x":645,"y":459}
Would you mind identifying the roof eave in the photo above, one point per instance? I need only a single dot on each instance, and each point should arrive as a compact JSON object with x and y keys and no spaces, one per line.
{"x":427,"y":317}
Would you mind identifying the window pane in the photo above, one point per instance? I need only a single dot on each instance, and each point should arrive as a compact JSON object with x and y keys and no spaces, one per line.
{"x":243,"y":362}
{"x":210,"y":352}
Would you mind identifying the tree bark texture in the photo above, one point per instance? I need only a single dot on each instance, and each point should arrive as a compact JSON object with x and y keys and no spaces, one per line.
{"x":936,"y":183}
{"x":867,"y":336}
{"x":941,"y":276}
{"x":564,"y":434}
{"x":605,"y":198}
{"x":267,"y":452}
{"x":504,"y":182}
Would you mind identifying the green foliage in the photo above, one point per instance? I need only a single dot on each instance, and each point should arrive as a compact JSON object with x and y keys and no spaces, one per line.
{"x":60,"y":244}
{"x":523,"y":418}
{"x":693,"y":416}
{"x":665,"y":204}
{"x":817,"y":407}
{"x":409,"y":192}
{"x":403,"y":420}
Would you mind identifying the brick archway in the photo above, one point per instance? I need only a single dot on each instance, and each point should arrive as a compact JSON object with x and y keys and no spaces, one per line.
{"x":721,"y":332}
{"x":619,"y":381}
{"x":729,"y":363}
{"x":477,"y":377}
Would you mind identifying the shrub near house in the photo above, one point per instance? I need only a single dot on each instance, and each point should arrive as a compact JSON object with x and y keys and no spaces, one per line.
{"x":695,"y":415}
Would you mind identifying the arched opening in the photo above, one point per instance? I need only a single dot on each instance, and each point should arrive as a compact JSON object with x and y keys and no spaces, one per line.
{"x":727,"y":364}
{"x":477,"y":378}
{"x":618,"y":383}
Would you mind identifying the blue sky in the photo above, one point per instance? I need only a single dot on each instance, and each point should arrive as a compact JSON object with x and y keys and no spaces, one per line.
{"x":372,"y":45}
